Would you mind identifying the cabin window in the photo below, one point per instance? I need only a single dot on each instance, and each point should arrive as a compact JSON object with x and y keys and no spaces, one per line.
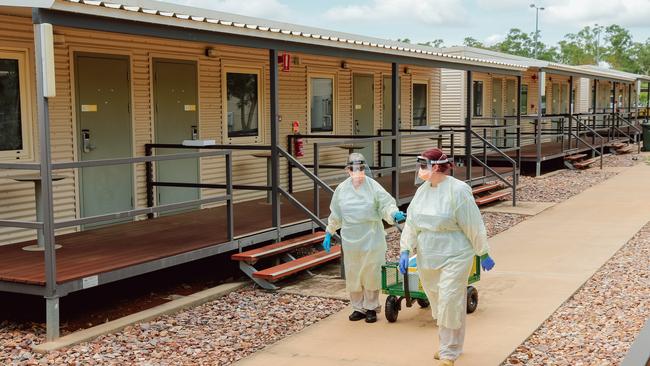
{"x":420,"y":104}
{"x":523,"y":99}
{"x":243,"y":104}
{"x":14,"y":117}
{"x":321,"y":108}
{"x":478,"y":98}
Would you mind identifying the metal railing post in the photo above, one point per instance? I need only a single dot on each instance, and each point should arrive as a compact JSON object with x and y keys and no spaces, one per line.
{"x":395,"y":132}
{"x":484,"y":151}
{"x":47,"y":201}
{"x":468,"y":126}
{"x":316,"y":187}
{"x":148,"y":168}
{"x":229,"y":193}
{"x":518,"y":151}
{"x":289,"y":165}
{"x":275,"y":134}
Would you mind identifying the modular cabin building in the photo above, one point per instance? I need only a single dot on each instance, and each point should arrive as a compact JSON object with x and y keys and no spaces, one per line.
{"x":138,"y":135}
{"x":554,"y":116}
{"x":627,"y":99}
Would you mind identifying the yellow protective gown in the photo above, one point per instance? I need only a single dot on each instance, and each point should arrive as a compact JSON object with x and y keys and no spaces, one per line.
{"x":445,"y":228}
{"x":358,"y":213}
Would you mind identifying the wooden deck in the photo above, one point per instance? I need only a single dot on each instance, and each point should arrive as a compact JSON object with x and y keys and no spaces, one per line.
{"x":102,"y":250}
{"x":551,"y":150}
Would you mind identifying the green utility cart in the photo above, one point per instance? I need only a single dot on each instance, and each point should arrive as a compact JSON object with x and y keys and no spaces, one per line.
{"x":394,"y":285}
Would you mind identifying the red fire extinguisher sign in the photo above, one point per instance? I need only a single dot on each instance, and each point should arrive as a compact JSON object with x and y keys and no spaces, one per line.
{"x":298,"y":143}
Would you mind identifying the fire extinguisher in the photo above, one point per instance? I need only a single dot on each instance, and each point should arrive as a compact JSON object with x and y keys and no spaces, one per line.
{"x":298,"y":143}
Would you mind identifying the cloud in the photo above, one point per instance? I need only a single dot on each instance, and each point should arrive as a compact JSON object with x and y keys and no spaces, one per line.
{"x":428,"y":12}
{"x":503,"y":4}
{"x":494,"y":38}
{"x":270,"y":9}
{"x":627,"y":13}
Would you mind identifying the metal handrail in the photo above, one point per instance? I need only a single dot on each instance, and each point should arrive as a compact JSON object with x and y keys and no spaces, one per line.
{"x":638,"y":130}
{"x":317,"y":181}
{"x":135,"y":160}
{"x":602,"y":142}
{"x":148,"y":159}
{"x":496,"y":149}
{"x":140,"y":211}
{"x":20,"y":166}
{"x":306,"y":171}
{"x":487,"y":143}
{"x":591,"y":147}
{"x":21,"y":224}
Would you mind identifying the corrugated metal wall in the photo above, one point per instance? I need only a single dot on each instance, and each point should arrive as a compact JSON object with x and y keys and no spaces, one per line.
{"x":18,"y":199}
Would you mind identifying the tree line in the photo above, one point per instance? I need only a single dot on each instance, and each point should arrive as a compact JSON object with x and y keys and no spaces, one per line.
{"x":612,"y":44}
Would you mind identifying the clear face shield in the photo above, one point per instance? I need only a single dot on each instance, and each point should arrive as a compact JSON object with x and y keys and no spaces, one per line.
{"x":424,"y":168}
{"x":358,"y":173}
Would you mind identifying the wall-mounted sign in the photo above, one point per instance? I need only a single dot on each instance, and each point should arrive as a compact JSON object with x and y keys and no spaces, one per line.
{"x":89,"y":107}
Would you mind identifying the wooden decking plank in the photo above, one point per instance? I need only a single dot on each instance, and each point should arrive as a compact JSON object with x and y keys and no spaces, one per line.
{"x":252,"y":256}
{"x":287,"y":269}
{"x":486,"y":187}
{"x":492,"y":197}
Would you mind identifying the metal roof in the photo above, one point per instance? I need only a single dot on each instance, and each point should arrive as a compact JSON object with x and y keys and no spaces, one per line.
{"x":617,"y":72}
{"x":531,"y":63}
{"x":151,"y":11}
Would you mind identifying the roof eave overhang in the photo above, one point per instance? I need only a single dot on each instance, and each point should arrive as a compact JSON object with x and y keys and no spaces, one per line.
{"x":114,"y":20}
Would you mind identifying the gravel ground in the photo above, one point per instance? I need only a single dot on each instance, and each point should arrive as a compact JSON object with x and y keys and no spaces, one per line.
{"x":598,"y":324}
{"x":561,"y":186}
{"x":218,"y":333}
{"x":625,"y":160}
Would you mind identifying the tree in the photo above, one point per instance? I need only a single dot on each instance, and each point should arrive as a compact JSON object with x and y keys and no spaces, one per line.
{"x":473,"y":42}
{"x":436,"y":43}
{"x":404,"y":40}
{"x":523,"y":44}
{"x":620,"y":47}
{"x":583,"y":47}
{"x":516,"y":43}
{"x":640,"y":55}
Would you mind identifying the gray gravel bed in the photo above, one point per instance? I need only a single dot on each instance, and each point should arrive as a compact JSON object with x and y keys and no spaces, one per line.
{"x":598,"y":324}
{"x":216,"y":333}
{"x":560,"y":186}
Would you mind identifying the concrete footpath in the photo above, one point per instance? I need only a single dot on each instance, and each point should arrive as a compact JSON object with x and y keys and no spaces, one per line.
{"x":540,"y":263}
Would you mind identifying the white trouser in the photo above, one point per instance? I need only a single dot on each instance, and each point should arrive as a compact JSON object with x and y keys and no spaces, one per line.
{"x":451,"y":340}
{"x":365,"y":300}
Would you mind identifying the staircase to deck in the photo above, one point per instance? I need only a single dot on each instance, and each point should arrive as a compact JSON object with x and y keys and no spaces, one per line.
{"x":283,"y":263}
{"x":579,"y":161}
{"x":489,"y":193}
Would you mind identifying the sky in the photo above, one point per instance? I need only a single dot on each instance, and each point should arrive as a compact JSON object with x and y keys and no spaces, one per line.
{"x":451,"y":20}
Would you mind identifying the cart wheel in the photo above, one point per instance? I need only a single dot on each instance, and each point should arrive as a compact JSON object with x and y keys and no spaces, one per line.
{"x":472,"y":299}
{"x":423,"y":303}
{"x":392,"y":308}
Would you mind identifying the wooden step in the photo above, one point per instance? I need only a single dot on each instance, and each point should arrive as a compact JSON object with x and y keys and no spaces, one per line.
{"x":584,"y":164}
{"x":304,"y":263}
{"x":625,"y":150}
{"x":499,"y":195}
{"x":575,"y":157}
{"x":485,"y":188}
{"x":254,"y":255}
{"x":617,"y":145}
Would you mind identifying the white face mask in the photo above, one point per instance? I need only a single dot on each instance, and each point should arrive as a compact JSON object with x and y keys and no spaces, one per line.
{"x":425,"y":174}
{"x":358,"y":178}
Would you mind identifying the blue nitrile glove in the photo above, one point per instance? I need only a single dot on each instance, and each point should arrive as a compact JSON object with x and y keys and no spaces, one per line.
{"x":399,"y":216}
{"x":327,"y":242}
{"x":404,"y":261}
{"x":487,"y":263}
